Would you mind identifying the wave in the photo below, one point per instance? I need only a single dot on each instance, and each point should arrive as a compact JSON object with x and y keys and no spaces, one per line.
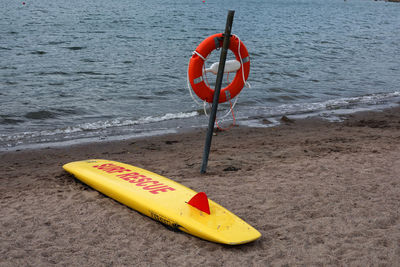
{"x":97,"y":125}
{"x":329,"y":109}
{"x":330,"y":105}
{"x":40,"y":115}
{"x":249,"y":115}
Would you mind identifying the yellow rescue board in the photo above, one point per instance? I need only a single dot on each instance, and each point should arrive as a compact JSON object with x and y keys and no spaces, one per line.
{"x":163,"y":200}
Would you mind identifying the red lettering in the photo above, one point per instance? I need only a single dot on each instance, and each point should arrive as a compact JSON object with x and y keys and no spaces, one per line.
{"x":148,"y":183}
{"x":155,"y":182}
{"x":117,"y":169}
{"x":111,"y":168}
{"x":100,"y":167}
{"x":132,"y":175}
{"x":154,"y":186}
{"x":141,"y":181}
{"x":166,"y":189}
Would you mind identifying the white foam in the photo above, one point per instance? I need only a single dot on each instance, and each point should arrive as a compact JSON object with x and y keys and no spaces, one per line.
{"x":351,"y":103}
{"x":97,"y":125}
{"x":331,"y":110}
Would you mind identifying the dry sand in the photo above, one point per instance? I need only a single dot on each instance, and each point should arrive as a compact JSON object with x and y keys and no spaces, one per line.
{"x":320,"y":194}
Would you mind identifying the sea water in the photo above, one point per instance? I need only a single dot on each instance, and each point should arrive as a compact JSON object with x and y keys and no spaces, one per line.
{"x":76,"y":71}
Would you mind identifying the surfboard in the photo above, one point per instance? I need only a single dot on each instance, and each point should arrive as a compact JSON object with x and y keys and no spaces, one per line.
{"x":164,"y":200}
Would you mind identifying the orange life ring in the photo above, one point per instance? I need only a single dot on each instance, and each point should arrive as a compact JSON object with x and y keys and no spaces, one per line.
{"x":195,"y":71}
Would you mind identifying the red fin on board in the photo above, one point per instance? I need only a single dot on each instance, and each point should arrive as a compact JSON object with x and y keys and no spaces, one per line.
{"x":200,"y":201}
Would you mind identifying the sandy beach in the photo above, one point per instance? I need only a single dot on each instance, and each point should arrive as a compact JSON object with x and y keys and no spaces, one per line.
{"x":320,"y":193}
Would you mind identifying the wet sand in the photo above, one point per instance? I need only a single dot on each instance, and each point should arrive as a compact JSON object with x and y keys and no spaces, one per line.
{"x":320,"y":193}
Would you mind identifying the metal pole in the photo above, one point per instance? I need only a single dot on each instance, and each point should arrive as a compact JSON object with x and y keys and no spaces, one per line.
{"x":217,"y":90}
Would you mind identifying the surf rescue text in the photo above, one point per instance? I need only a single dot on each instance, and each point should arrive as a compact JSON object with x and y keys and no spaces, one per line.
{"x":146,"y":183}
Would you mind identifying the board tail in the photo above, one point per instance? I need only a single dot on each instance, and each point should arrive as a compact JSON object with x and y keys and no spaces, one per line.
{"x":200,"y":201}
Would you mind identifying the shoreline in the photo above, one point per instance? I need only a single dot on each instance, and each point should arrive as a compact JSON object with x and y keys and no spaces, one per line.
{"x":319,"y":192}
{"x":124,"y":128}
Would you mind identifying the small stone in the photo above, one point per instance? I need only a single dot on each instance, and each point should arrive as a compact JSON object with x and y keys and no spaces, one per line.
{"x":286,"y":119}
{"x":265,"y":121}
{"x":171,"y":142}
{"x":231,"y":169}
